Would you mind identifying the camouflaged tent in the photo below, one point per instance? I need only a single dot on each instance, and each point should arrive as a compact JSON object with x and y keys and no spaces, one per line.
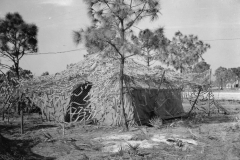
{"x":147,"y":93}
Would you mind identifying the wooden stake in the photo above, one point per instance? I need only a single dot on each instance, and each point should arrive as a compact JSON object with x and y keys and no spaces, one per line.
{"x":3,"y":117}
{"x":71,"y":114}
{"x":21,"y":111}
{"x":63,"y":126}
{"x":8,"y":115}
{"x":209,"y":91}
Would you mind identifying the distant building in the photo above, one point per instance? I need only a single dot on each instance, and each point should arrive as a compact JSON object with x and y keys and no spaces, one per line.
{"x":233,"y":84}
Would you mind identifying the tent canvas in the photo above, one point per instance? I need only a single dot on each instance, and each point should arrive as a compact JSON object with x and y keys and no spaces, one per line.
{"x":163,"y":103}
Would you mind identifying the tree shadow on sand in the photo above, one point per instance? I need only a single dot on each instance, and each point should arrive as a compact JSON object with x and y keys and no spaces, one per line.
{"x":19,"y":149}
{"x":43,"y":126}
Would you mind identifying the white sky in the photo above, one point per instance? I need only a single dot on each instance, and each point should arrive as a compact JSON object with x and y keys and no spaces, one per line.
{"x":210,"y":20}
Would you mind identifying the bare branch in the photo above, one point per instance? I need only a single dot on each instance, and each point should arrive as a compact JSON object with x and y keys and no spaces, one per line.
{"x":148,"y":15}
{"x":130,"y":56}
{"x":138,"y":5}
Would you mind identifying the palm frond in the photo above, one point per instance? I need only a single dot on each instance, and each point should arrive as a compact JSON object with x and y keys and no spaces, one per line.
{"x":156,"y":122}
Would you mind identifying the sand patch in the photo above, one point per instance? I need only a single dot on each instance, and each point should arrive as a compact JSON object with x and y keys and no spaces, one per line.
{"x":117,"y":142}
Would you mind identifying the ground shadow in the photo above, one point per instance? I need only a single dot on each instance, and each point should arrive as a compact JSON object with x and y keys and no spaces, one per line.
{"x":195,"y":121}
{"x":37,"y":127}
{"x":8,"y":128}
{"x":19,"y":149}
{"x":218,"y":119}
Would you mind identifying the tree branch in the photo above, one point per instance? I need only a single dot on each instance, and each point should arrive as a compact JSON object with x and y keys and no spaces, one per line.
{"x":138,"y":5}
{"x":148,"y":15}
{"x":9,"y":38}
{"x":114,"y":46}
{"x":7,"y":55}
{"x":136,"y":17}
{"x":111,"y":10}
{"x":129,"y":56}
{"x":22,"y":54}
{"x":5,"y":66}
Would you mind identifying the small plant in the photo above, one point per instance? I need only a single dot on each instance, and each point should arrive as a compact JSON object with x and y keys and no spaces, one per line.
{"x":96,"y":146}
{"x":145,"y":133}
{"x":48,"y":137}
{"x":196,"y":118}
{"x":139,"y":137}
{"x":120,"y":151}
{"x":234,"y":127}
{"x":156,"y":122}
{"x":133,"y":149}
{"x":236,"y":119}
{"x":76,"y":147}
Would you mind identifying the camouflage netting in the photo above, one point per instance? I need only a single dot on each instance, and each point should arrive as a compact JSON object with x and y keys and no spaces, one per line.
{"x":52,"y":93}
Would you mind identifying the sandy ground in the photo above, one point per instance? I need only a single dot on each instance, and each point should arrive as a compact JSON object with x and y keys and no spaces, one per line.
{"x":227,"y":95}
{"x":201,"y":137}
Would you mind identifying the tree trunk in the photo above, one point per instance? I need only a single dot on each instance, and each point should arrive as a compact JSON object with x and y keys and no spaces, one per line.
{"x":148,"y":62}
{"x":181,"y":69}
{"x":122,"y":59}
{"x":22,"y":130}
{"x":221,"y":84}
{"x":21,"y":106}
{"x":148,"y":59}
{"x":16,"y":64}
{"x":123,"y":114}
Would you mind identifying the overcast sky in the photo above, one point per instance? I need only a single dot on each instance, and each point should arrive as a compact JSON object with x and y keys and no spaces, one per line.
{"x":216,"y":22}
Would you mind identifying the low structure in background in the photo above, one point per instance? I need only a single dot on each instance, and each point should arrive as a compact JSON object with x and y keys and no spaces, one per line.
{"x":233,"y":84}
